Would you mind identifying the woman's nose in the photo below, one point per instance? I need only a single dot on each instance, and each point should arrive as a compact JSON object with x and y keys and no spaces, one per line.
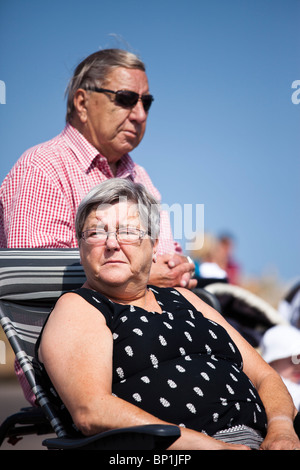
{"x":112,"y":241}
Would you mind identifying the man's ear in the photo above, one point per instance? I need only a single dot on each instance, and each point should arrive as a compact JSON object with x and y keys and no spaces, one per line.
{"x":80,"y":104}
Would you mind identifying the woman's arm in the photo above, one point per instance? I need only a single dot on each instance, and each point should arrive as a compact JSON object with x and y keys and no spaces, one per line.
{"x":277,"y":401}
{"x":76,"y":349}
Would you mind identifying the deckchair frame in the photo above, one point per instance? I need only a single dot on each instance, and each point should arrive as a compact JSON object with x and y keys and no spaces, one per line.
{"x":31,"y":280}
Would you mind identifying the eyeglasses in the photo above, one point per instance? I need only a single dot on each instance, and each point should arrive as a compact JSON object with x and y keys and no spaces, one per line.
{"x":126,"y":98}
{"x":124,"y":236}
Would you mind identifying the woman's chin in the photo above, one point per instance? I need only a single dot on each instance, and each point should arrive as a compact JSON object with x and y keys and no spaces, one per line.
{"x":116,"y":275}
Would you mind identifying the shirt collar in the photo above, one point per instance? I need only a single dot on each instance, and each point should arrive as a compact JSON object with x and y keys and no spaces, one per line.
{"x":90,"y":157}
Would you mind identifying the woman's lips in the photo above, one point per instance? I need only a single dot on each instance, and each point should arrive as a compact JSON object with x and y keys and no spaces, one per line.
{"x":114,"y":261}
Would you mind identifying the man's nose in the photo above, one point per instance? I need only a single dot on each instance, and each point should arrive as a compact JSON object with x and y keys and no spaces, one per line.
{"x":138,"y":112}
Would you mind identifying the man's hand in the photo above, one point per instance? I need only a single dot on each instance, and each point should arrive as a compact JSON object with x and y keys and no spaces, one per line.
{"x":173,"y":270}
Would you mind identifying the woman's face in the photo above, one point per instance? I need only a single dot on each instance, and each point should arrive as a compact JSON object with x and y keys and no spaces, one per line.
{"x":114,"y":264}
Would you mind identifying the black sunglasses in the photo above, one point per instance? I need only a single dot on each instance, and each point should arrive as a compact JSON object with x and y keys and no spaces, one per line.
{"x":126,"y":98}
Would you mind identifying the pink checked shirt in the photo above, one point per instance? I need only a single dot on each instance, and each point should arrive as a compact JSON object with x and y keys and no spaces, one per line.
{"x":40,"y":195}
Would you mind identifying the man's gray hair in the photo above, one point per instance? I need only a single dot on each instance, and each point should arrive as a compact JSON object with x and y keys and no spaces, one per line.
{"x":116,"y":190}
{"x":95,"y":68}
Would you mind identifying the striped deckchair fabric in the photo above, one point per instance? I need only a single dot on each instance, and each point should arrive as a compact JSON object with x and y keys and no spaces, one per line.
{"x":31,"y":280}
{"x":34,"y":274}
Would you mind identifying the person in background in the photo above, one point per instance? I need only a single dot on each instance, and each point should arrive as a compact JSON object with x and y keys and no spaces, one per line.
{"x":224,"y":258}
{"x":289,"y":306}
{"x":280,"y":347}
{"x":207,"y":270}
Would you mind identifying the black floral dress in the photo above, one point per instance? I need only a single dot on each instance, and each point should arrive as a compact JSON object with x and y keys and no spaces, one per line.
{"x":177,"y":365}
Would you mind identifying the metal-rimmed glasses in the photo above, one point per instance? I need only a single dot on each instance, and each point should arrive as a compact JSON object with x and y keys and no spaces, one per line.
{"x":125,"y":98}
{"x":124,"y":236}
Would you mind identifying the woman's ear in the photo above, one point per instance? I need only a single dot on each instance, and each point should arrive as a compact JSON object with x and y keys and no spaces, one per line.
{"x":154,"y":259}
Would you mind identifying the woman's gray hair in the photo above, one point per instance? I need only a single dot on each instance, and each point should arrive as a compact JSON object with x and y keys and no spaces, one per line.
{"x":95,"y":68}
{"x":117,"y":190}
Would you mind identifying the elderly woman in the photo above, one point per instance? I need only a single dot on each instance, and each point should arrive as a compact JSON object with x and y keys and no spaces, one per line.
{"x":118,"y":352}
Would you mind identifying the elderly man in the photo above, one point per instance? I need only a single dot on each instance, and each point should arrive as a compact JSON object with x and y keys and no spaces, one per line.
{"x":107,"y":110}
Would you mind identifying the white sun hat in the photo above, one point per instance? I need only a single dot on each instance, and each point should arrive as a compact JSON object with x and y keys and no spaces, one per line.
{"x":279,"y":342}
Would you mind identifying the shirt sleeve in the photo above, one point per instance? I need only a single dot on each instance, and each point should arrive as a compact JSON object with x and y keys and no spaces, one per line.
{"x":35,"y":212}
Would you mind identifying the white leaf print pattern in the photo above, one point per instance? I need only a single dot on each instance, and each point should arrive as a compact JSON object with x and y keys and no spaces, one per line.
{"x":120,"y":372}
{"x":210,"y":364}
{"x":171,"y":383}
{"x":154,"y":361}
{"x":129,"y":351}
{"x":188,"y":336}
{"x":164,"y":402}
{"x":144,"y":319}
{"x":145,"y":379}
{"x":138,"y":332}
{"x":175,"y":292}
{"x":205,"y":376}
{"x":137,"y":397}
{"x":191,"y":408}
{"x":153,"y":290}
{"x":230,"y":389}
{"x":198,"y":391}
{"x":191,"y":314}
{"x":162,"y":340}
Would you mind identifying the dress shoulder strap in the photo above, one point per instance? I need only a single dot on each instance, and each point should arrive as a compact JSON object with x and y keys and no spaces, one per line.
{"x":99,"y":301}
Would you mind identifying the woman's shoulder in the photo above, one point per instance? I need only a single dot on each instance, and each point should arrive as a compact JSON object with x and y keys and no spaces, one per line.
{"x":177,"y":294}
{"x":195,"y":301}
{"x":76,"y":308}
{"x":84,"y":293}
{"x":171,"y":291}
{"x":72,"y":301}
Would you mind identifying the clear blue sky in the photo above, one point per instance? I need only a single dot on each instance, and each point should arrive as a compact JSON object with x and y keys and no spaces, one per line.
{"x":223,"y":130}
